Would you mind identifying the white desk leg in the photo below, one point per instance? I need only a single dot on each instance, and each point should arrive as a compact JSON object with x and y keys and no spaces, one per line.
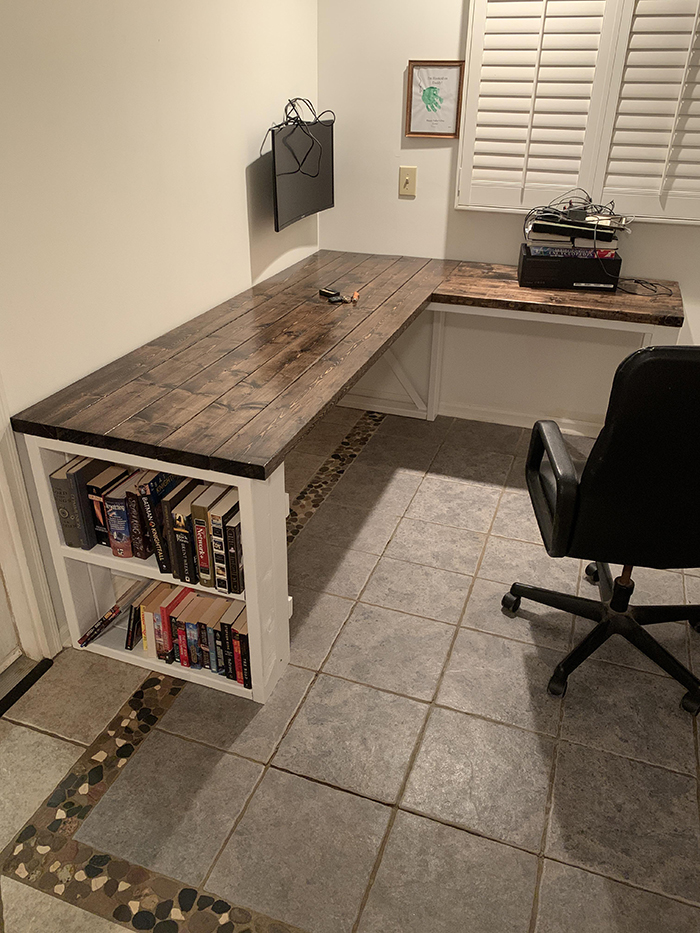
{"x":264,"y":539}
{"x":660,"y":336}
{"x":437,"y":346}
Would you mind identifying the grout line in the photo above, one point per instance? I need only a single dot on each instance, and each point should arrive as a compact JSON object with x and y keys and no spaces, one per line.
{"x":54,"y":735}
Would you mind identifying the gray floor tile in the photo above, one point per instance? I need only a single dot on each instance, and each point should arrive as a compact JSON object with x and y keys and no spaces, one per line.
{"x":448,"y":502}
{"x":27,"y":910}
{"x":31,"y":765}
{"x":361,"y":529}
{"x":413,"y":453}
{"x":489,"y":778}
{"x":416,"y":427}
{"x":575,"y":901}
{"x":484,"y":435}
{"x":502,"y":680}
{"x":474,"y":464}
{"x":627,"y":820}
{"x":79,"y":695}
{"x":629,"y":713}
{"x":617,"y":650}
{"x":377,"y":487}
{"x":508,"y":561}
{"x":423,"y":591}
{"x":172,"y":808}
{"x":692,"y":589}
{"x":339,"y":414}
{"x":657,"y":587}
{"x":534,"y":624}
{"x":354,"y":737}
{"x":438,"y":546}
{"x":579,"y":446}
{"x":302,"y":853}
{"x":516,"y":475}
{"x":388,"y":649}
{"x":515,"y":517}
{"x":235,"y":724}
{"x":315,"y":622}
{"x":299,"y":467}
{"x":316,"y":564}
{"x":443,"y":880}
{"x":322,"y":439}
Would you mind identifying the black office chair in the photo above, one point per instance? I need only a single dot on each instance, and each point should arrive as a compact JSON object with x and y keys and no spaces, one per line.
{"x":635,"y":502}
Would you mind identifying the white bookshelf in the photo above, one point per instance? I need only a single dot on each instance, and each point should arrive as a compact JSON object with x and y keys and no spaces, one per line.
{"x":90,"y":581}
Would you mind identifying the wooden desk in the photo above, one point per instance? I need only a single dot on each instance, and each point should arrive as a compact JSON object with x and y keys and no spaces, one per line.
{"x":223,"y":397}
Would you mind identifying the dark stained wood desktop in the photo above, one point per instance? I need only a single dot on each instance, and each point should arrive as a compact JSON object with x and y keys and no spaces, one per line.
{"x":233,"y":389}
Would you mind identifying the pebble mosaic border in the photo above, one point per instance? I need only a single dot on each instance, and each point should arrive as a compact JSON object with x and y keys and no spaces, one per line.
{"x":44,"y":854}
{"x":328,"y":474}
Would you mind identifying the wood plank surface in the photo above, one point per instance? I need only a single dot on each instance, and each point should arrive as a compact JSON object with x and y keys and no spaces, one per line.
{"x":234,"y":388}
{"x":485,"y":285}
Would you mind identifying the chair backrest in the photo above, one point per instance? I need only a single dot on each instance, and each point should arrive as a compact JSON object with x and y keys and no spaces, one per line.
{"x":639,"y":496}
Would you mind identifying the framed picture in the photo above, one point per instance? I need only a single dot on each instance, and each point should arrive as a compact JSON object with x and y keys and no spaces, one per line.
{"x":434,"y":99}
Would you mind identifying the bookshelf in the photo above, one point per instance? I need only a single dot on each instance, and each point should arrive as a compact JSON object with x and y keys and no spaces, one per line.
{"x":89,"y":582}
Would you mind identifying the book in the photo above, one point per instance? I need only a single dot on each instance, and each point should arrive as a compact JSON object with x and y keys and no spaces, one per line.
{"x":202,"y":531}
{"x":151,"y":492}
{"x":218,"y":607}
{"x":184,"y":541}
{"x":571,"y":252}
{"x":151,"y":605}
{"x":233,"y":671}
{"x":122,"y":606}
{"x":164,"y":624}
{"x":234,"y":553}
{"x":219,"y":513}
{"x":241,"y":651}
{"x":80,"y":474}
{"x":134,"y":632}
{"x":219,"y":648}
{"x":66,"y":501}
{"x":191,"y":617}
{"x":96,"y":489}
{"x":141,"y":545}
{"x":178,"y":630}
{"x":118,"y":518}
{"x":168,"y":502}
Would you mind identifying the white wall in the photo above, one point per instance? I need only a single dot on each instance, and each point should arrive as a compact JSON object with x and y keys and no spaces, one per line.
{"x":134,"y":130}
{"x":368,"y":96}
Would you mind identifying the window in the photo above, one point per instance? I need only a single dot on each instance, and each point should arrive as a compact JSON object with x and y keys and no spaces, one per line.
{"x":602,"y":94}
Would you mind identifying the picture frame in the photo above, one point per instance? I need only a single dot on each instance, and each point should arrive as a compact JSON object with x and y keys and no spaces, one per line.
{"x":434,"y":98}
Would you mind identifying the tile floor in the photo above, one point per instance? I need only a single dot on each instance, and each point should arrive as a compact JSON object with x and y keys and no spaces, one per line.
{"x":410,"y":771}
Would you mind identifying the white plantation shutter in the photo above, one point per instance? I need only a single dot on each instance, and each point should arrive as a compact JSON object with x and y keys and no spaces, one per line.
{"x":652,"y":168}
{"x":538,"y":75}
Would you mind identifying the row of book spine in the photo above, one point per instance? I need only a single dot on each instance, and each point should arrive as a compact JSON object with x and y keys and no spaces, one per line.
{"x":177,"y":625}
{"x":192,"y":528}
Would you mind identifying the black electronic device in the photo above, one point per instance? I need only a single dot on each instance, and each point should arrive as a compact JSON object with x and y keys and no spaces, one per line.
{"x":594,"y":274}
{"x":328,"y":292}
{"x":302,"y":156}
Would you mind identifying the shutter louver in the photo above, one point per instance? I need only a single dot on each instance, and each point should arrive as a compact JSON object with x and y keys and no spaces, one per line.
{"x":534,"y":97}
{"x":653,"y":166}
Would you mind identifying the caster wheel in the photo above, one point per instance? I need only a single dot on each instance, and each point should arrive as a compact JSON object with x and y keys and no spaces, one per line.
{"x":510,"y":602}
{"x":691,"y":703}
{"x":557,"y":685}
{"x":592,"y":573}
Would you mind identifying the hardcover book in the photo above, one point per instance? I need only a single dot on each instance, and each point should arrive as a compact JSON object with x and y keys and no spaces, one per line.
{"x":233,"y":671}
{"x":168,"y":503}
{"x":148,"y":607}
{"x":202,"y":531}
{"x":96,"y":489}
{"x":133,"y":630}
{"x":151,"y":492}
{"x":80,"y":474}
{"x":239,"y":635}
{"x":219,"y":513}
{"x":118,"y":518}
{"x":178,"y":629}
{"x":218,"y":607}
{"x":234,"y":553}
{"x":66,"y":501}
{"x":184,"y":542}
{"x":167,"y":608}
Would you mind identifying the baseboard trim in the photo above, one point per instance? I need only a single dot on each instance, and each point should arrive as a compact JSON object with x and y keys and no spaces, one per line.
{"x":472,"y":413}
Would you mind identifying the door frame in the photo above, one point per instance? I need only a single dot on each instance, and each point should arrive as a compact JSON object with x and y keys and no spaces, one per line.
{"x":20,"y":556}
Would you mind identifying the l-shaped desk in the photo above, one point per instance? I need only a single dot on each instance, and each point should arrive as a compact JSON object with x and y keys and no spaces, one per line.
{"x":225,"y":396}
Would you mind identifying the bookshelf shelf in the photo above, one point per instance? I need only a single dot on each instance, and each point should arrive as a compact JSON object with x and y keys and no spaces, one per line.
{"x":102,"y":556}
{"x":111,"y":645}
{"x":87,"y":582}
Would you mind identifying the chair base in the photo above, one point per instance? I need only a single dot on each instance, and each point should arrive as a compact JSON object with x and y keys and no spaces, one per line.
{"x":614,"y":616}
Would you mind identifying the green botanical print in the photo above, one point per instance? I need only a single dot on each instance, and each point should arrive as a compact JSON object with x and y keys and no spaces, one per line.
{"x":432,"y":99}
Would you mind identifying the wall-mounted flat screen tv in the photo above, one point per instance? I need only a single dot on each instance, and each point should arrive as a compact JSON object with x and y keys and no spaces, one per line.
{"x":302,"y":156}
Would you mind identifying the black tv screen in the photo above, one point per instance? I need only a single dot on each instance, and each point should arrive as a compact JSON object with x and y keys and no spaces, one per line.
{"x":302,"y":157}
